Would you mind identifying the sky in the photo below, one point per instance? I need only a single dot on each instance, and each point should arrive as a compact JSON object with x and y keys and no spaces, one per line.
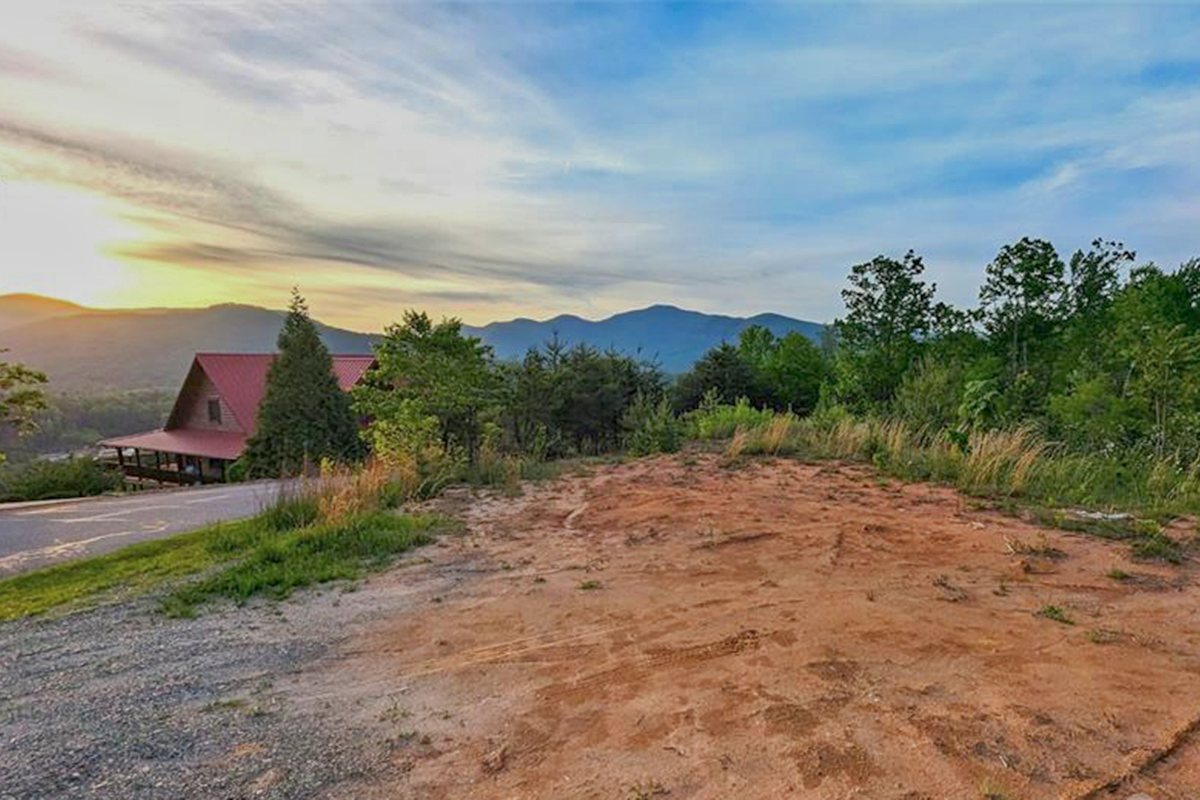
{"x":495,"y":160}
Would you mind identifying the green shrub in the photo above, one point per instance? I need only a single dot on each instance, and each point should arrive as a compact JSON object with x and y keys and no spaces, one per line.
{"x":715,"y":420}
{"x":52,"y":480}
{"x":651,"y":427}
{"x":238,"y":471}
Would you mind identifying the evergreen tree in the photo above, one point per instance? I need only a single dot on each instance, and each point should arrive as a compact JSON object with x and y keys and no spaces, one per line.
{"x":304,"y":416}
{"x":723,"y":370}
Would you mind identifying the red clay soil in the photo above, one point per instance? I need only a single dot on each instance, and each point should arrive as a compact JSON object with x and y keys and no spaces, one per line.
{"x":675,"y":628}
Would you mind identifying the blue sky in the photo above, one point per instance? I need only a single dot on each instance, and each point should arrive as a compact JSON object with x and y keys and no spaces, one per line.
{"x":495,"y":160}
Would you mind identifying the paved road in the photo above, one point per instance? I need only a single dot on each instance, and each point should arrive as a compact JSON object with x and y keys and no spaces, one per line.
{"x":37,"y":534}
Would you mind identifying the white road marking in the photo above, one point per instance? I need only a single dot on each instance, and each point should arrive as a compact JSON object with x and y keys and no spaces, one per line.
{"x":207,"y":499}
{"x":112,"y":514}
{"x":63,"y":548}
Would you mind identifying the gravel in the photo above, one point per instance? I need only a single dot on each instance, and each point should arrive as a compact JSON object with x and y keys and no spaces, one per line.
{"x":120,"y":701}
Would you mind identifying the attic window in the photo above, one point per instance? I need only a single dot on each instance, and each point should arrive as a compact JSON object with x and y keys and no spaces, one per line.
{"x":214,"y":410}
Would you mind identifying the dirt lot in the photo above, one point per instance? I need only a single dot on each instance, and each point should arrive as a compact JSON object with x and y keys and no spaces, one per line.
{"x":667,"y":628}
{"x":674,"y":628}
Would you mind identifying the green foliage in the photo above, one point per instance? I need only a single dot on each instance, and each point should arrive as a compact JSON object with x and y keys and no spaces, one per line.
{"x":889,"y":312}
{"x":777,"y":372}
{"x":562,"y":401}
{"x":651,"y":427}
{"x":51,"y":480}
{"x":238,"y":471}
{"x":1022,"y":301}
{"x":1158,"y":547}
{"x":275,"y":566}
{"x":930,"y":394}
{"x":1091,"y":414}
{"x":72,"y":422}
{"x":21,"y":396}
{"x":723,"y":370}
{"x":430,"y":371}
{"x":1056,"y":613}
{"x":717,"y":420}
{"x":305,"y":417}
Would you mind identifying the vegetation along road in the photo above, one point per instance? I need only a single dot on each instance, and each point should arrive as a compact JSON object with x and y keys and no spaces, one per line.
{"x":35,"y":535}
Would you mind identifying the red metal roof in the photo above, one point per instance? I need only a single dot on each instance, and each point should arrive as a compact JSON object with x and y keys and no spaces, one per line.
{"x":188,"y":441}
{"x":241,"y":380}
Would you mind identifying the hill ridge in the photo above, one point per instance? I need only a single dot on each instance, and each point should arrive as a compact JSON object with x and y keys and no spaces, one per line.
{"x":90,"y":349}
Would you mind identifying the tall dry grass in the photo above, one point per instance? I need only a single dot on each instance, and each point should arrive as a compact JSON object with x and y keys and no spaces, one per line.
{"x":1009,"y":463}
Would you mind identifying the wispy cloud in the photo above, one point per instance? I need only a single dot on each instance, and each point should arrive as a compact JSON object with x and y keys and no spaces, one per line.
{"x":496,"y":160}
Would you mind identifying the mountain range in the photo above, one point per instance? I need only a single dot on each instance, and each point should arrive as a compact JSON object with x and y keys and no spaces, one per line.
{"x":85,"y":350}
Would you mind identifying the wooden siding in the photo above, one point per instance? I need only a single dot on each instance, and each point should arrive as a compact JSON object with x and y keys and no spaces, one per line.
{"x":197,"y":390}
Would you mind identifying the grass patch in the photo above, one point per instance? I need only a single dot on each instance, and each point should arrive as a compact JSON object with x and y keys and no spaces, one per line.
{"x":590,"y":586}
{"x":134,"y":569}
{"x":276,"y":566}
{"x":246,"y":557}
{"x":1056,"y":613}
{"x":1119,"y":574}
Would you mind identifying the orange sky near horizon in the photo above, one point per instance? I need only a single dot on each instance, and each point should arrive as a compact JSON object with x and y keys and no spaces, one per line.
{"x":74,"y":245}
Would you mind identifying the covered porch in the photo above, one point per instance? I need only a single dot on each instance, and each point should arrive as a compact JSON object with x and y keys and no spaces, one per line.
{"x":181,"y":456}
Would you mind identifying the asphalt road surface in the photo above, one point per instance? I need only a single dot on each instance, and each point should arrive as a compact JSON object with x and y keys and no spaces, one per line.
{"x":38,"y":534}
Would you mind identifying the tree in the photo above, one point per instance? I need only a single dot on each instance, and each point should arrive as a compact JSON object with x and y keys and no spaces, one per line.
{"x":1022,"y":299}
{"x":562,"y":400}
{"x":305,"y":416}
{"x":1163,"y":376}
{"x":21,"y":396}
{"x":437,"y":370}
{"x":888,"y":314}
{"x":793,"y":372}
{"x":1095,"y":277}
{"x":722,"y":370}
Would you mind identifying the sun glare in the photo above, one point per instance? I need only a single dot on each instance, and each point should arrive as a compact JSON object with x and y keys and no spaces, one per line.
{"x":55,"y":241}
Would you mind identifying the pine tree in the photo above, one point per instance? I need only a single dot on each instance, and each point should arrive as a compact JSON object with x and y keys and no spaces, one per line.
{"x":304,"y":416}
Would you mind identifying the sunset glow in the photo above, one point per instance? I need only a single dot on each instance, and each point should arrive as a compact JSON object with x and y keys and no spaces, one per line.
{"x":489,"y":161}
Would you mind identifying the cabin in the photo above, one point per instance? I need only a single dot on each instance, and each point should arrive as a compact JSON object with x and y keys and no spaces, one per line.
{"x":214,"y":415}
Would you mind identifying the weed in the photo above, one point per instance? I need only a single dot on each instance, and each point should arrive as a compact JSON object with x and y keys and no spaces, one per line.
{"x":1056,"y":613}
{"x":590,"y":585}
{"x":1157,"y":547}
{"x":1119,"y":575}
{"x":1042,"y":548}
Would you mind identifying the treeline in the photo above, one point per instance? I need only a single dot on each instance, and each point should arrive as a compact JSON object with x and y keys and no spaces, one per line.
{"x":1094,"y":351}
{"x":439,"y":402}
{"x":74,"y":422}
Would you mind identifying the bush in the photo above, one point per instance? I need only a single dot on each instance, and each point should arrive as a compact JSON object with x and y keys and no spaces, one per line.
{"x":651,"y":427}
{"x":716,"y":420}
{"x":238,"y":471}
{"x":52,"y":480}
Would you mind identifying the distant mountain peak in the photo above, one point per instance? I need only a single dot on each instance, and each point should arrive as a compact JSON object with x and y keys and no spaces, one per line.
{"x":84,"y":349}
{"x":674,"y":337}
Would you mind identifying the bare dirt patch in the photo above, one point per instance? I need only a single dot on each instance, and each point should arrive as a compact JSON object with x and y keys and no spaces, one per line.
{"x":674,"y":626}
